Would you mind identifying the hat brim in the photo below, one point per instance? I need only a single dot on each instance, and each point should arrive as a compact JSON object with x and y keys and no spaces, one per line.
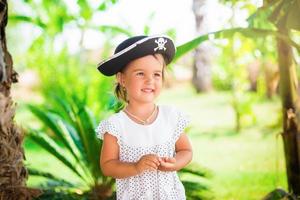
{"x":146,"y":46}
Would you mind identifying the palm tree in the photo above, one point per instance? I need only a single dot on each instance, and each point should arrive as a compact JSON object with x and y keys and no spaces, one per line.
{"x":202,"y":59}
{"x":290,"y":106}
{"x":284,"y":14}
{"x":13,"y":174}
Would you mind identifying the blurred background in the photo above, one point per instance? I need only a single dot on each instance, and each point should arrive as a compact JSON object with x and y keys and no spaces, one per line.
{"x":225,"y":77}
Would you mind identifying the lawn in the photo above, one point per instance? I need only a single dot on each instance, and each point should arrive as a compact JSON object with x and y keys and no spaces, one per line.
{"x":244,"y":166}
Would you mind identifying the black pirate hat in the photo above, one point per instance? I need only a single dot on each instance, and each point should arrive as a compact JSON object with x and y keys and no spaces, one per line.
{"x":136,"y":47}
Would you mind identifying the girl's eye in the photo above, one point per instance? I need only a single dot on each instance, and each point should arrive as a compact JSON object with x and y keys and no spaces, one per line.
{"x":157,"y":74}
{"x":140,"y":74}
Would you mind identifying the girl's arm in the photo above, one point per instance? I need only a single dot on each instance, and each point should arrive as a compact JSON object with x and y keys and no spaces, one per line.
{"x":183,"y":155}
{"x":112,"y":166}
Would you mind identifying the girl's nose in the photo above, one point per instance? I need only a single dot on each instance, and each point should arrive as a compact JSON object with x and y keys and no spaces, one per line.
{"x":149,"y":78}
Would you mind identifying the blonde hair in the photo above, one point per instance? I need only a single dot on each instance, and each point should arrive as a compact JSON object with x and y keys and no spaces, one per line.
{"x":120,"y":91}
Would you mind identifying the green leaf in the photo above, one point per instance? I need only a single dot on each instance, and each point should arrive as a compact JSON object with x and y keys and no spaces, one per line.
{"x":21,"y":18}
{"x":106,"y":4}
{"x":228,"y":33}
{"x":48,"y":144}
{"x":196,"y":190}
{"x":28,"y":19}
{"x":196,"y":169}
{"x":259,"y":19}
{"x":58,"y":127}
{"x":194,"y":186}
{"x":146,"y":30}
{"x":270,"y":3}
{"x":293,"y":18}
{"x":277,"y":13}
{"x":86,"y":131}
{"x":102,"y":6}
{"x":67,"y":109}
{"x":47,"y":118}
{"x":194,"y":172}
{"x":36,"y":172}
{"x":72,"y":143}
{"x":186,"y":47}
{"x":74,"y":135}
{"x":63,"y":107}
{"x":115,"y":29}
{"x":85,"y":10}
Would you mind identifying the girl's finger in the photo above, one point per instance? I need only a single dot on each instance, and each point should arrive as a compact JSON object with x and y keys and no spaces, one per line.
{"x":172,"y":160}
{"x":154,"y":160}
{"x":151,"y":164}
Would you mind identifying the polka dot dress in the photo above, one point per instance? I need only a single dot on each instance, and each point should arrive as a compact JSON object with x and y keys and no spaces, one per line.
{"x":136,"y":140}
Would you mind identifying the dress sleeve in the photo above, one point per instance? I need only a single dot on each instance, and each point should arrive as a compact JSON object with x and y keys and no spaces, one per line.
{"x":107,"y":126}
{"x":181,"y":123}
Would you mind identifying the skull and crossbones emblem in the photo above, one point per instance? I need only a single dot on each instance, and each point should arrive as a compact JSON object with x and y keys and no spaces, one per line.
{"x":160,"y":44}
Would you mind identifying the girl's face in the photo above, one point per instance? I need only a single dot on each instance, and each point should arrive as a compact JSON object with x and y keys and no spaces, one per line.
{"x":142,"y":78}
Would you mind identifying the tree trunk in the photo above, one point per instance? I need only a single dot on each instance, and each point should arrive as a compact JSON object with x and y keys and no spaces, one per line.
{"x":202,"y":55}
{"x":291,"y":134}
{"x":12,"y":171}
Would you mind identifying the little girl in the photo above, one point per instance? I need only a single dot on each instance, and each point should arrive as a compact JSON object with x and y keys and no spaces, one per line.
{"x":144,"y":144}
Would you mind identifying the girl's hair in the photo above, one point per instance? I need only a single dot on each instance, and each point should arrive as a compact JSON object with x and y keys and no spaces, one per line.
{"x":120,"y":91}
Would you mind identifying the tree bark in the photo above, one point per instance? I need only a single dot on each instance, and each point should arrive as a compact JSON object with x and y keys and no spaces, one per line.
{"x":291,"y":134}
{"x":202,"y":55}
{"x":13,"y":174}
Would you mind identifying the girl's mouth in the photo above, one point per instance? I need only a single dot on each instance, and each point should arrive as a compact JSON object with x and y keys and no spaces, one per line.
{"x":148,"y":90}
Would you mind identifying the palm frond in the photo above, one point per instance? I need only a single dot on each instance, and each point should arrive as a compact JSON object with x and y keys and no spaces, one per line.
{"x":62,"y":130}
{"x":62,"y":182}
{"x":228,"y":33}
{"x":86,"y":129}
{"x":48,"y":144}
{"x":196,"y":191}
{"x":197,"y":170}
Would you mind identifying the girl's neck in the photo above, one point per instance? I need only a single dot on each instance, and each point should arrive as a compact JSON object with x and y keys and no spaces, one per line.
{"x":141,"y":110}
{"x":143,"y":117}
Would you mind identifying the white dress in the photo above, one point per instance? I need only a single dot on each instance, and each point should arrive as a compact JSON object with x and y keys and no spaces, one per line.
{"x":136,"y":140}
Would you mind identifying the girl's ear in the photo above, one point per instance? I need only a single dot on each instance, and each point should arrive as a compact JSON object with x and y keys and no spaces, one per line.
{"x":120,"y":78}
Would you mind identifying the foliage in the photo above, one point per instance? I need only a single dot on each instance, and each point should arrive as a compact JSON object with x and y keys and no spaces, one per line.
{"x":280,"y":194}
{"x":231,"y":74}
{"x":196,"y":189}
{"x":64,"y":76}
{"x":243,"y":109}
{"x":50,"y":53}
{"x":258,"y":25}
{"x":49,"y":194}
{"x":228,"y":33}
{"x":68,"y":133}
{"x":281,"y":13}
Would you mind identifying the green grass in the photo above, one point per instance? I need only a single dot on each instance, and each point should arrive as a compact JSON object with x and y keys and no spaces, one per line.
{"x":245,"y":165}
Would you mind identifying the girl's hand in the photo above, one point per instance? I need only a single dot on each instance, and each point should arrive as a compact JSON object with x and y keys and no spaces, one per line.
{"x":147,"y":162}
{"x":167,"y":164}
